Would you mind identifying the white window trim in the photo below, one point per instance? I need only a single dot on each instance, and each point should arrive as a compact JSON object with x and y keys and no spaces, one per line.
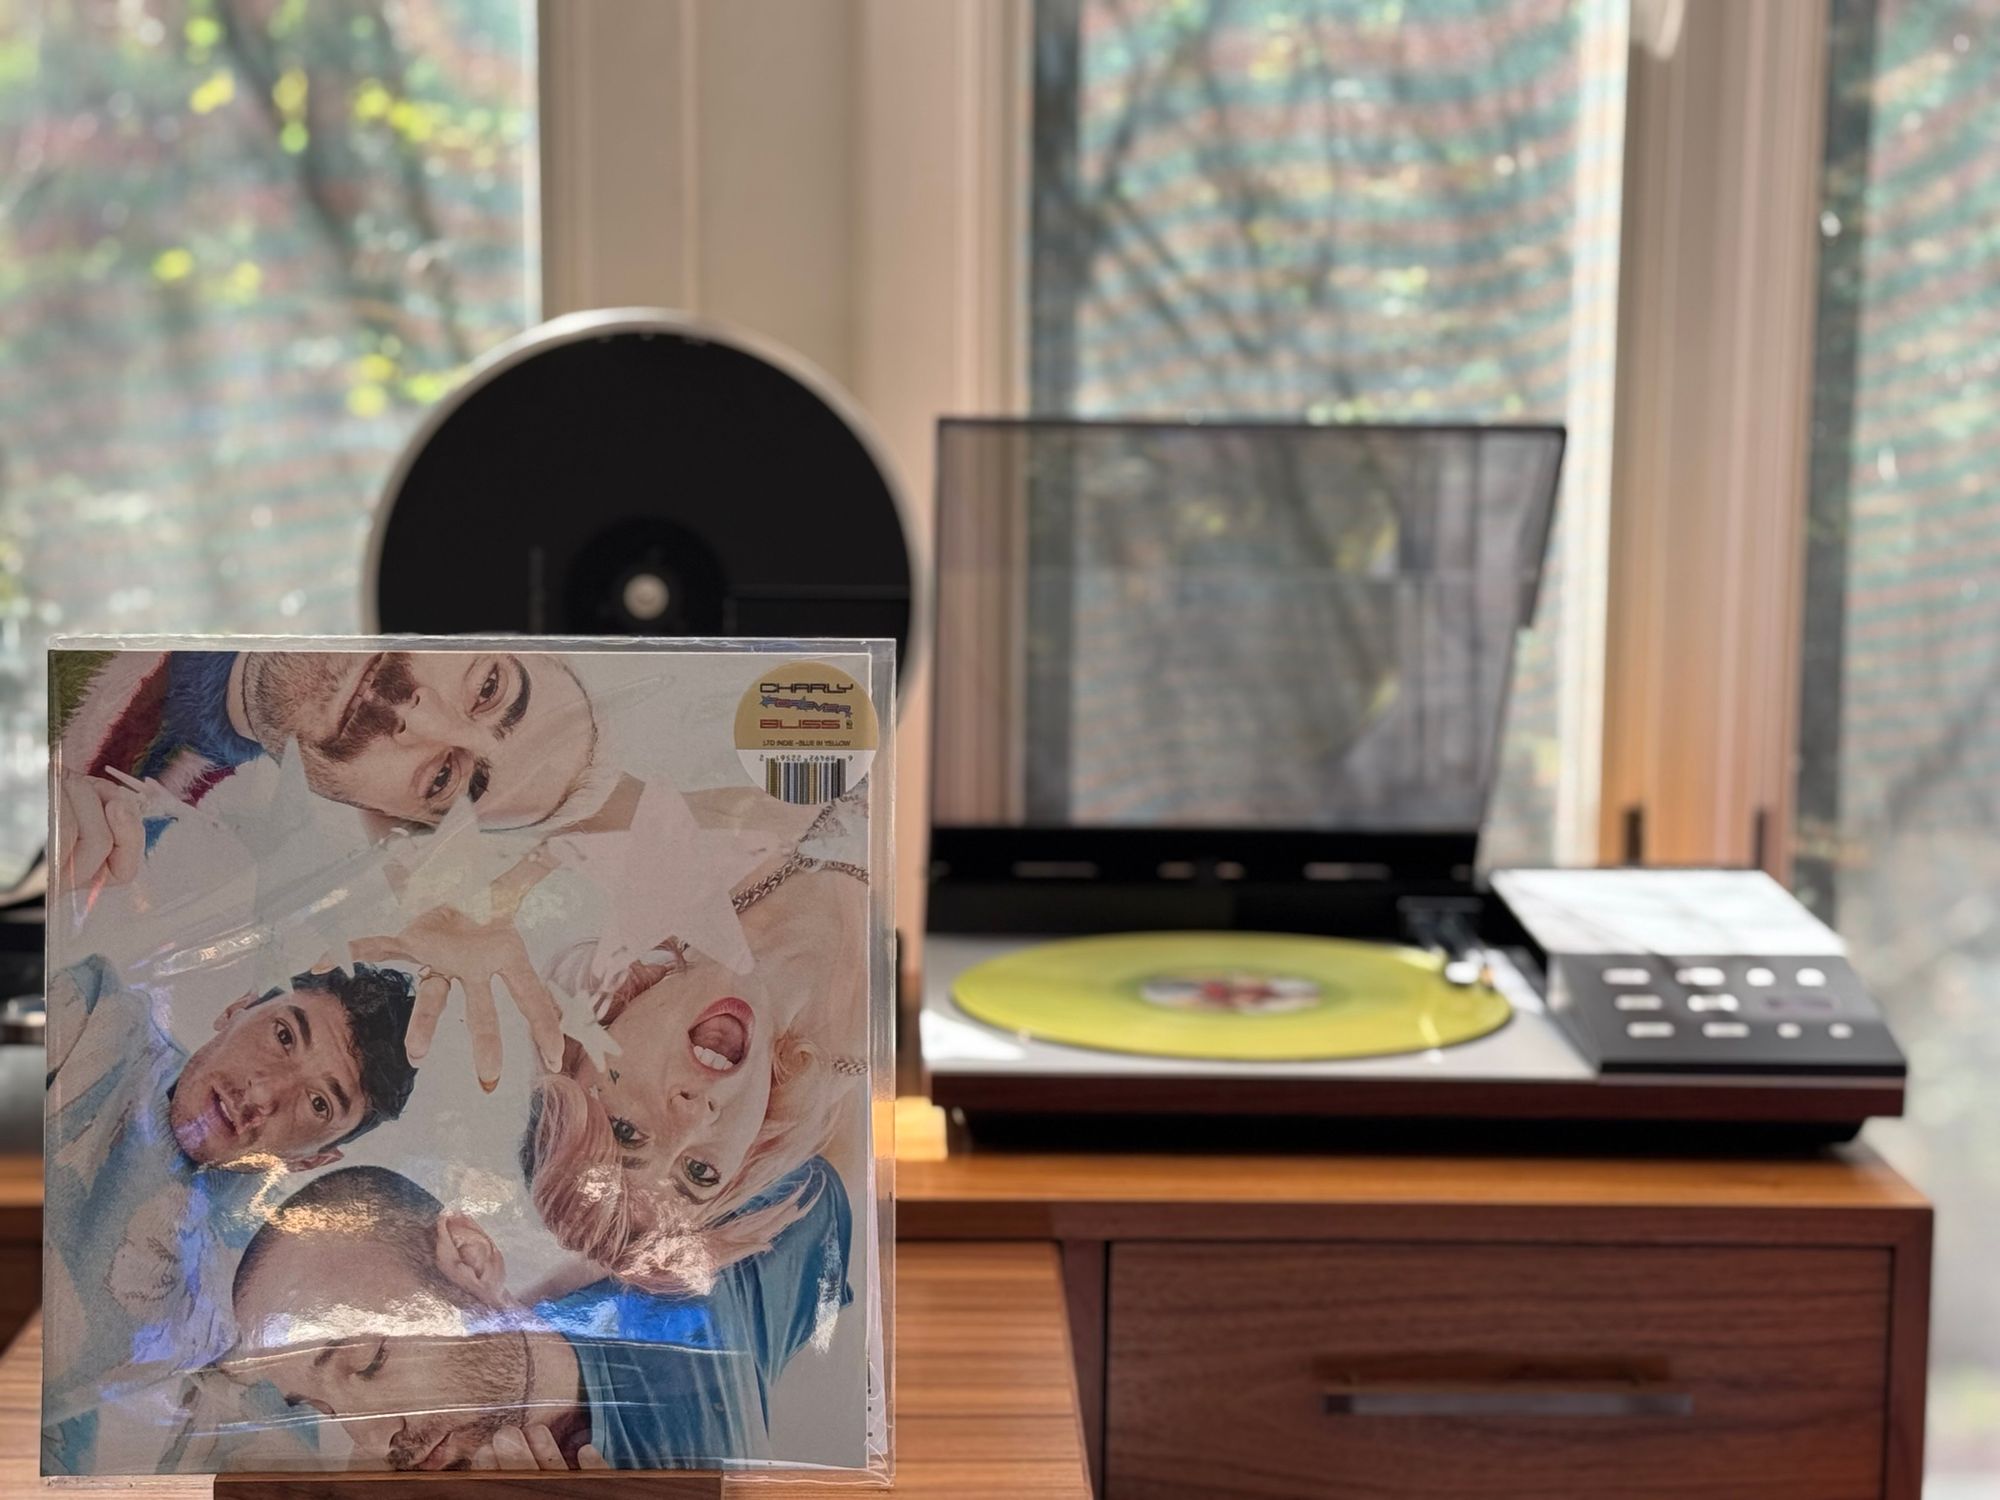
{"x":1584,"y":534}
{"x":890,"y":254}
{"x":618,"y":83}
{"x":1710,"y":449}
{"x":940,"y":300}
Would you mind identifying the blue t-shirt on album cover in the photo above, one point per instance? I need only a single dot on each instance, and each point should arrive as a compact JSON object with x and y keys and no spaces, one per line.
{"x":150,"y":1240}
{"x":681,"y":1382}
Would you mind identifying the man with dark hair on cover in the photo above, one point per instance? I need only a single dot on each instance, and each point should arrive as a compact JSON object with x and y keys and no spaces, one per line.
{"x":162,"y":1161}
{"x":366,"y":1300}
{"x":401,"y":735}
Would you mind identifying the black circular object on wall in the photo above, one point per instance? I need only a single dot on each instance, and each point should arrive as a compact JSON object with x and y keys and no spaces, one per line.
{"x":638,"y":472}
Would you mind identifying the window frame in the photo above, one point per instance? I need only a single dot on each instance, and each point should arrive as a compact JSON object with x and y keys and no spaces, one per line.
{"x":619,"y":183}
{"x":1680,"y":667}
{"x":901,"y":261}
{"x":1711,"y":442}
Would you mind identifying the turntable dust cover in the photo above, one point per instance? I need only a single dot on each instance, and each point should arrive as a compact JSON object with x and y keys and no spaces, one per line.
{"x":461,"y":1055}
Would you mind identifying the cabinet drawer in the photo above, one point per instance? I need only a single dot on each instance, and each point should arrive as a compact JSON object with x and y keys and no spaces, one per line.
{"x":1490,"y":1371}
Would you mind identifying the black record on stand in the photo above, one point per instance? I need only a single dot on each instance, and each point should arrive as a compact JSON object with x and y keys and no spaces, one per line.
{"x":641,"y":473}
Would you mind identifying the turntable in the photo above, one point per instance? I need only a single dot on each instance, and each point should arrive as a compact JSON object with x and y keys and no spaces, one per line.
{"x":1218,"y":709}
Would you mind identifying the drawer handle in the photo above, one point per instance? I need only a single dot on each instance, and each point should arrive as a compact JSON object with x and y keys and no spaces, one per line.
{"x":1484,"y":1385}
{"x":1523,"y":1402}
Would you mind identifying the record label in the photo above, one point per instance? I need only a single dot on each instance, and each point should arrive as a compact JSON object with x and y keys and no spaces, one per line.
{"x":806,"y":732}
{"x":1231,"y":992}
{"x":1230,"y":996}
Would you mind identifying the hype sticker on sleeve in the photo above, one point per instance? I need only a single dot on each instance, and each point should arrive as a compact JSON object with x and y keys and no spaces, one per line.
{"x":806,"y":732}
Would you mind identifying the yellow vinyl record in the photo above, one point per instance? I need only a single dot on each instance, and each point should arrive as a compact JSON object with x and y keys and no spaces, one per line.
{"x":1230,"y":996}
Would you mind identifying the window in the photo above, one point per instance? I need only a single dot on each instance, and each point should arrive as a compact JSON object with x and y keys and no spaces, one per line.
{"x":243,"y":244}
{"x":1899,"y":749}
{"x":1407,"y":211}
{"x":1351,"y":210}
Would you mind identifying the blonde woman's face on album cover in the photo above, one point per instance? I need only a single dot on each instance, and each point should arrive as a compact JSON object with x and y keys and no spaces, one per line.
{"x":688,"y":1088}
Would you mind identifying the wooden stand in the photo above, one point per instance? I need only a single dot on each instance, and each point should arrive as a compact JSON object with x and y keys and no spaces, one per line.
{"x":1700,"y":1327}
{"x":591,"y":1484}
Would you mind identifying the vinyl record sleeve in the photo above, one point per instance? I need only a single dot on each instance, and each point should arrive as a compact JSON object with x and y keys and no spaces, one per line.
{"x":469,"y":1052}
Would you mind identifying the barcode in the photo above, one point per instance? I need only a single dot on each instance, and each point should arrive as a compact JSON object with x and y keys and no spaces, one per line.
{"x":799,"y":778}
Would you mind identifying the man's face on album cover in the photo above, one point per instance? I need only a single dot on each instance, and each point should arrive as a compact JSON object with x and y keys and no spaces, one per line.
{"x":405,"y":734}
{"x":279,"y":1081}
{"x":410,"y":1355}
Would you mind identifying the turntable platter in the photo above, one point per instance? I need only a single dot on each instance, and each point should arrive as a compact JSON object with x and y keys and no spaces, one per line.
{"x":1229,"y":996}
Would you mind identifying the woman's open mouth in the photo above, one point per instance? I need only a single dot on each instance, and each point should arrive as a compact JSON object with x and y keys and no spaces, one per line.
{"x":720,"y":1036}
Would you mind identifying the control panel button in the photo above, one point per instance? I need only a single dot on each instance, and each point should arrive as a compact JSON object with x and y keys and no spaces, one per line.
{"x":1638,"y":1002}
{"x":1723,"y":1029}
{"x":1759,"y":978}
{"x":1645,"y":1031}
{"x":1620,"y":977}
{"x":1699,"y":976}
{"x":1712,"y":1002}
{"x":1812,"y":979}
{"x":1791,"y":1031}
{"x":1840,"y":1031}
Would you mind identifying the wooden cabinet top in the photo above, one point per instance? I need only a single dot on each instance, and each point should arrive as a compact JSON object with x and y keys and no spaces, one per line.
{"x":1850,"y":1179}
{"x":1845,"y":1195}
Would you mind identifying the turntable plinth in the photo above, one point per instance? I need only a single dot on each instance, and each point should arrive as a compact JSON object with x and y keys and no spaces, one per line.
{"x":1494,"y":1327}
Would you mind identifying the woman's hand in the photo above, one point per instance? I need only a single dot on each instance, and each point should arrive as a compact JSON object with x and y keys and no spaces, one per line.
{"x":101,"y":832}
{"x":450,"y":947}
{"x":532,"y":1448}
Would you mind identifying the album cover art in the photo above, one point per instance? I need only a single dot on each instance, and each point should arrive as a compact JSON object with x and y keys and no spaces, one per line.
{"x":461,"y":1054}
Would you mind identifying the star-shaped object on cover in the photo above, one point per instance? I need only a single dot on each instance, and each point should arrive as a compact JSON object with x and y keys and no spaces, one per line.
{"x":579,"y":1021}
{"x":665,"y":876}
{"x":455,"y":864}
{"x":268,"y":883}
{"x":318,"y":876}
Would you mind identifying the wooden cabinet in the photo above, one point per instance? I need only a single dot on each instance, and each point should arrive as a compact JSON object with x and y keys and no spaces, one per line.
{"x":20,"y":1241}
{"x":1509,"y":1371}
{"x":1374,"y":1327}
{"x":20,"y":1287}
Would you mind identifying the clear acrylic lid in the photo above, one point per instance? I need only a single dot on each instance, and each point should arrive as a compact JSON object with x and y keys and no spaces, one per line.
{"x":1231,"y":626}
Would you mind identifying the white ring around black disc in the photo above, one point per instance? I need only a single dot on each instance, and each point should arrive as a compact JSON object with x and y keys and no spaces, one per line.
{"x":606,"y":445}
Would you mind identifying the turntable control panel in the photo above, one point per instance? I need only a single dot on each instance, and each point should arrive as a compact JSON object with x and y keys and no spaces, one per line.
{"x":1708,"y":971}
{"x":1646,"y":1012}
